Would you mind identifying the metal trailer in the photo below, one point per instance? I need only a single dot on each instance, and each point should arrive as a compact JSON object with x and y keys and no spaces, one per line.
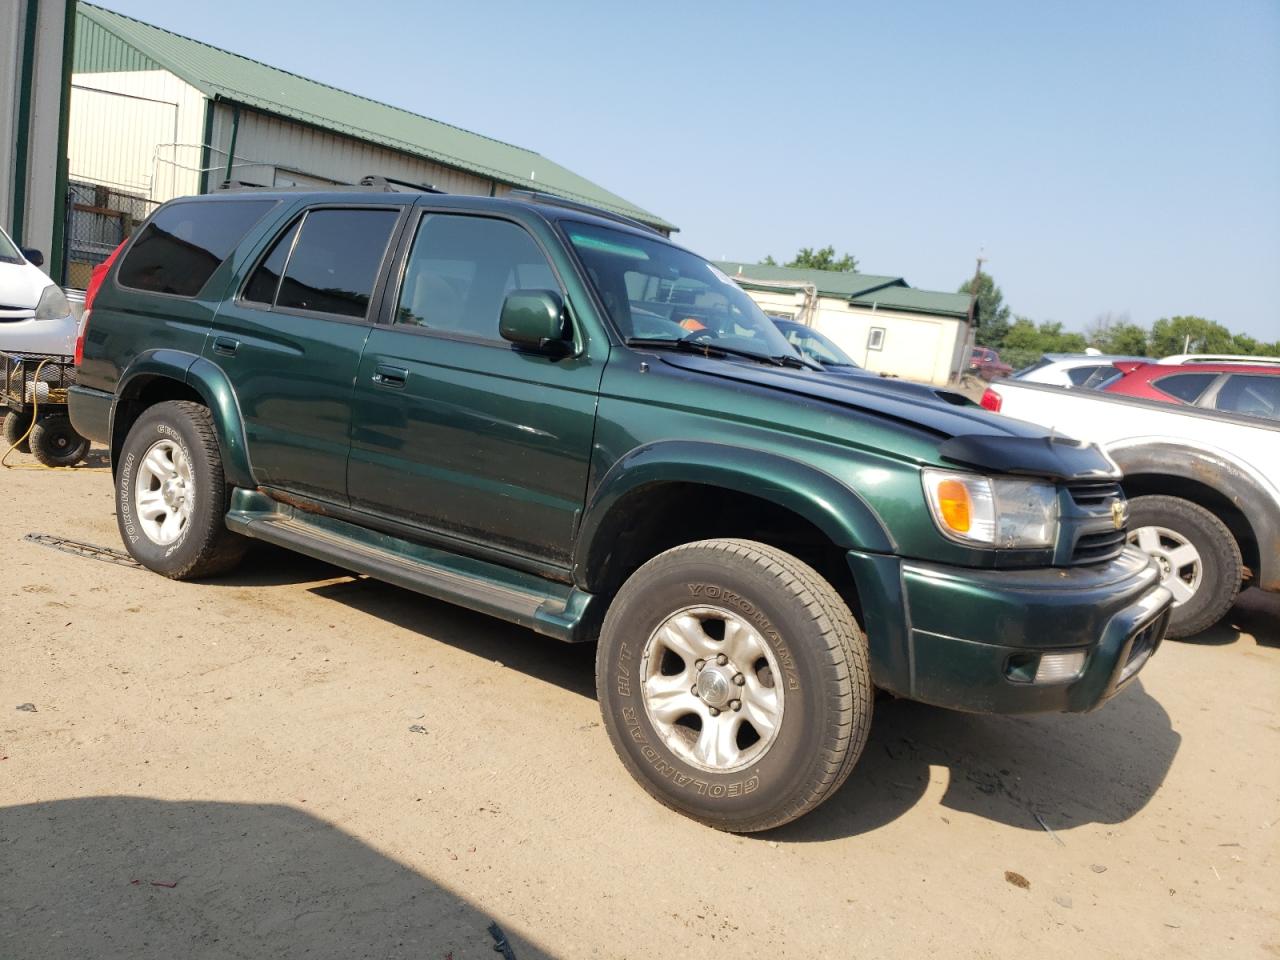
{"x":33,"y":391}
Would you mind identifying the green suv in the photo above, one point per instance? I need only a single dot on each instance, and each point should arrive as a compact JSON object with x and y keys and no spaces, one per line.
{"x":547,"y":414}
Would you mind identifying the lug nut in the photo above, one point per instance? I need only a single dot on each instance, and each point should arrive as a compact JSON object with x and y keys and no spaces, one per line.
{"x":694,"y":689}
{"x":736,"y":705}
{"x":714,"y":711}
{"x":699,"y":664}
{"x":739,"y":679}
{"x":721,"y":659}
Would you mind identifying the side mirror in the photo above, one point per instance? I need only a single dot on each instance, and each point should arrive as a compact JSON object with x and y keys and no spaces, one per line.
{"x":35,"y":257}
{"x":536,"y":320}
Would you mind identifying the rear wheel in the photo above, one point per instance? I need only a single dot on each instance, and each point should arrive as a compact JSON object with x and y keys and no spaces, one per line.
{"x":734,"y":684}
{"x":171,"y":494}
{"x":55,"y":443}
{"x":1199,"y":559}
{"x":16,"y":426}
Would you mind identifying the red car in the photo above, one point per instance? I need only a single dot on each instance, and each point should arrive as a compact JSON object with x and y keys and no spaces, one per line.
{"x":1249,"y":389}
{"x":986,"y":363}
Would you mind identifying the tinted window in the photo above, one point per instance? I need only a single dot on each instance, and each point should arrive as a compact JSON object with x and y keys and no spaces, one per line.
{"x":1102,"y":377}
{"x":261,"y":287}
{"x":1253,"y":396}
{"x":1079,"y":375}
{"x":178,"y":251}
{"x":461,"y":269}
{"x":335,"y":261}
{"x":1186,"y":387}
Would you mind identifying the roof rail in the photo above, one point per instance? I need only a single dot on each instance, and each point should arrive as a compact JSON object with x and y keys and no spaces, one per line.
{"x":389,"y":184}
{"x":550,"y":199}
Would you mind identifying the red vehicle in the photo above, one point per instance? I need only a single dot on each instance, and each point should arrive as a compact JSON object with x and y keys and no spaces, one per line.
{"x":986,"y":363}
{"x":1249,"y":389}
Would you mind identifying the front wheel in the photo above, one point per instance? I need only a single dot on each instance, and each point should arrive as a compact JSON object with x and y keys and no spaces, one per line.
{"x":1199,"y":559}
{"x":734,"y":684}
{"x":171,"y":495}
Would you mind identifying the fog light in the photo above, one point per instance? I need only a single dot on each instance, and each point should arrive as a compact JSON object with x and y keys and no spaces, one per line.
{"x":1059,"y":667}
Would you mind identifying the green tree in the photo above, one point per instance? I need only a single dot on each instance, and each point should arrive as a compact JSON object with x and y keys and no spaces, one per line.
{"x":824,"y":259}
{"x":993,"y":314}
{"x":768,"y":261}
{"x":1188,"y":334}
{"x":1125,"y":339}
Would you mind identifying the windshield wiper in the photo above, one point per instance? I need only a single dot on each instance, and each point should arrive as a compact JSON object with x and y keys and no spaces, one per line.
{"x":708,"y":348}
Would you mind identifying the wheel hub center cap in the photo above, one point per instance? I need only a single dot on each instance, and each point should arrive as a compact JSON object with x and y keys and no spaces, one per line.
{"x":715,"y":685}
{"x":172,"y":491}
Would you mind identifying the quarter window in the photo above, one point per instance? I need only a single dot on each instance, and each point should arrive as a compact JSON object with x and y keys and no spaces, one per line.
{"x":182,"y":246}
{"x":1186,"y":387}
{"x":1253,"y":396}
{"x":335,"y":260}
{"x":460,"y":270}
{"x":262,"y":286}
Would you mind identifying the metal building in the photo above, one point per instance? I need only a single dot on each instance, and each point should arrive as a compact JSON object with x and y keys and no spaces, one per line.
{"x":881,"y":322}
{"x":155,"y":115}
{"x":35,"y":49}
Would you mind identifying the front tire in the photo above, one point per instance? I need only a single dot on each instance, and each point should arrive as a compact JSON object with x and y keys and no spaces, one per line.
{"x":1199,"y":559}
{"x":734,"y":684}
{"x":172,"y":496}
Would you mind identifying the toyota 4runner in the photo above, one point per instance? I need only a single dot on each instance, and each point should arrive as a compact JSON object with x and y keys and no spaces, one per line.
{"x":553,"y":416}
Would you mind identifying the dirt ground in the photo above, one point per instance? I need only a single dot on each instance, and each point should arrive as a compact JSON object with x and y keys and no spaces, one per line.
{"x":290,"y":762}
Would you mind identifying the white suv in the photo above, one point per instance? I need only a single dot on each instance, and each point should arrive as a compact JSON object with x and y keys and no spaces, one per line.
{"x":35,"y":316}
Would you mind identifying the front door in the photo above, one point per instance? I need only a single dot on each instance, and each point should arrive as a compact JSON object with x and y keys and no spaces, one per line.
{"x":290,"y":342}
{"x":455,"y":432}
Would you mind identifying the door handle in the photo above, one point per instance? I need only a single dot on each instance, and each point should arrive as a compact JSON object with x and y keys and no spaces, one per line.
{"x":226,"y":346}
{"x":385,"y":375}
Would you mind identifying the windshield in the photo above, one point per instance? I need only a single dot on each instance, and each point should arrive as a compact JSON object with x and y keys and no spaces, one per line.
{"x":9,"y":252}
{"x":814,"y":345}
{"x":654,"y":291}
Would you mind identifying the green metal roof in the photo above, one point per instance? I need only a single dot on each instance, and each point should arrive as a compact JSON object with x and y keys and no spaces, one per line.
{"x":829,"y":283}
{"x":864,"y":289}
{"x":108,"y":41}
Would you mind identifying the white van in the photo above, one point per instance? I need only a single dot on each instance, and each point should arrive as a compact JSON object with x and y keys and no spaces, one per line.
{"x":35,"y":316}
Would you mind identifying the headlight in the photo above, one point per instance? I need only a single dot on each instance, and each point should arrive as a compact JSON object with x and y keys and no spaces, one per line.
{"x":53,"y":304}
{"x":992,"y":511}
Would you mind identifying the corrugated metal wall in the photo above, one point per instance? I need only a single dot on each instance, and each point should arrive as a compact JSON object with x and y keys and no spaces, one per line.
{"x":272,"y":151}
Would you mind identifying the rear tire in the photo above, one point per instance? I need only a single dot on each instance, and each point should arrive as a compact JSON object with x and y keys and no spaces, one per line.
{"x":16,"y":425}
{"x":172,"y":496}
{"x":55,"y":443}
{"x":1199,"y":559}
{"x":795,"y":663}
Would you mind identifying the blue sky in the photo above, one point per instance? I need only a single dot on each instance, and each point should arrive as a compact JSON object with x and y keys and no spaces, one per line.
{"x":1117,"y":156}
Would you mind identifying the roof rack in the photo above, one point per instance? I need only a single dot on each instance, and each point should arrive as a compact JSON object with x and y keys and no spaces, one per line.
{"x":389,"y":184}
{"x":550,"y":199}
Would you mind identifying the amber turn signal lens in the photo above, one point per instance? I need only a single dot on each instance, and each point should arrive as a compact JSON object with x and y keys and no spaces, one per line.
{"x":955,"y":505}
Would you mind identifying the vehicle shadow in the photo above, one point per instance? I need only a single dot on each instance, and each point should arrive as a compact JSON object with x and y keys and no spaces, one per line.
{"x":142,"y":878}
{"x":1070,"y":769}
{"x":1255,"y":614}
{"x":1066,"y":769}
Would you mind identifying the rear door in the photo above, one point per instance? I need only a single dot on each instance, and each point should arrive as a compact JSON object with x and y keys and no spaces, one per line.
{"x":289,"y":340}
{"x":457,"y":434}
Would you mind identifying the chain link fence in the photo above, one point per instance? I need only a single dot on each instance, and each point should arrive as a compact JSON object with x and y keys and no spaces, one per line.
{"x":98,"y":219}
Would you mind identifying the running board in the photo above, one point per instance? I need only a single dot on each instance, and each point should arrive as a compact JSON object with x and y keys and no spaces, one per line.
{"x":553,"y":609}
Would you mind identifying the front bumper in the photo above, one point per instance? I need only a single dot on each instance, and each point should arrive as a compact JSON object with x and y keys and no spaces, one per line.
{"x":971,"y":638}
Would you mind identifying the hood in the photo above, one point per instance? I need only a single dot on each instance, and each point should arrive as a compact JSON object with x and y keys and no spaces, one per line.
{"x":967,"y":435}
{"x":20,"y":287}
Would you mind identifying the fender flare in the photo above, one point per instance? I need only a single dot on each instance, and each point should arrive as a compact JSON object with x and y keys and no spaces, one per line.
{"x":213,"y":387}
{"x":1261,"y":508}
{"x":836,"y":509}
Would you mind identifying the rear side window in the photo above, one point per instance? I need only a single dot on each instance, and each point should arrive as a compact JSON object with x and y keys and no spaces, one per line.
{"x":1186,"y":387}
{"x":262,"y":286}
{"x":1253,"y":396}
{"x":178,"y":251}
{"x":1080,"y":375}
{"x":335,"y":260}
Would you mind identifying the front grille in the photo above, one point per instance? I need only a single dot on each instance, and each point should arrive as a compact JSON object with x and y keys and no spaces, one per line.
{"x":1094,"y":547}
{"x":1091,"y":524}
{"x":1089,"y":495}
